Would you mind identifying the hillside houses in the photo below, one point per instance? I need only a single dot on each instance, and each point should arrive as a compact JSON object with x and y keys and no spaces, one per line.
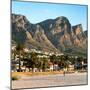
{"x":36,"y":60}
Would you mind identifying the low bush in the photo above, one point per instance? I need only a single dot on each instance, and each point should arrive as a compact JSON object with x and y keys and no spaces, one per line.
{"x":15,"y":78}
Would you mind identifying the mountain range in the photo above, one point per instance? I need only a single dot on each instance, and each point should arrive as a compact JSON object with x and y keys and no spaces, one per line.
{"x":51,"y":35}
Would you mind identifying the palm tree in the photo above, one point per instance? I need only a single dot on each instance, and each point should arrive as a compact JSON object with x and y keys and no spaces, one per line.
{"x":13,"y":58}
{"x":53,"y":59}
{"x":19,"y":49}
{"x":34,"y":60}
{"x":40,"y":64}
{"x":62,"y":61}
{"x":66,"y":58}
{"x":45,"y":63}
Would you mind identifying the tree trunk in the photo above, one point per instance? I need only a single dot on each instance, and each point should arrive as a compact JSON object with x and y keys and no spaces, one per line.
{"x":19,"y":62}
{"x":19,"y":65}
{"x":29,"y":69}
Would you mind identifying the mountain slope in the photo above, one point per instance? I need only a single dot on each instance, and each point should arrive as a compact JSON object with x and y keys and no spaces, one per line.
{"x":52,"y":35}
{"x":29,"y":34}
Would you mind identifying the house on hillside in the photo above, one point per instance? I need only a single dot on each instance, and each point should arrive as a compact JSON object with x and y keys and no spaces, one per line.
{"x":54,"y":67}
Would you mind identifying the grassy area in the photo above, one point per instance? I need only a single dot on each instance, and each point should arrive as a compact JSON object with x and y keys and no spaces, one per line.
{"x":37,"y":73}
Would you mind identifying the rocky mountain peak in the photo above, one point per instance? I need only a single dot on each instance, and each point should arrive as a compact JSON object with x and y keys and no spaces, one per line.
{"x":61,"y":25}
{"x":62,"y":19}
{"x":20,"y":21}
{"x":18,"y":18}
{"x":77,"y":29}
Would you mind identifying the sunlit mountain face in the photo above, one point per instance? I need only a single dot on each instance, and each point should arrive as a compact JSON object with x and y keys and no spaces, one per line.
{"x":52,"y":35}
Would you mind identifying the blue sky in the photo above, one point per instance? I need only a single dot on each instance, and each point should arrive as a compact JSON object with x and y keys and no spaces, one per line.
{"x":37,"y":12}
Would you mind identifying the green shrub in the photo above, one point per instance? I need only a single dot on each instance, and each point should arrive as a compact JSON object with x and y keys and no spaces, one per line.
{"x":15,"y":78}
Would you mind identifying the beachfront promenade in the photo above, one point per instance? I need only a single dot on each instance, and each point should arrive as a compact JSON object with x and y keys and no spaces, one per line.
{"x":50,"y":80}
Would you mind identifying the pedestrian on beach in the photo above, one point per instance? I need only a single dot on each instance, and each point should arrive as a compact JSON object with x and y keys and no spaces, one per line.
{"x":63,"y":72}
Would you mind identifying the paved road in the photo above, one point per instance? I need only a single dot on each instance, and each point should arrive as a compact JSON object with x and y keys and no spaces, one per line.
{"x":50,"y":80}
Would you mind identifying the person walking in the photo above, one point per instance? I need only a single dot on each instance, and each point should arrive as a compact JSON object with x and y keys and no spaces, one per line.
{"x":64,"y":72}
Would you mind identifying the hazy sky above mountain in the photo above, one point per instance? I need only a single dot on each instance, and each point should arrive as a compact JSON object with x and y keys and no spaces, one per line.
{"x":37,"y":12}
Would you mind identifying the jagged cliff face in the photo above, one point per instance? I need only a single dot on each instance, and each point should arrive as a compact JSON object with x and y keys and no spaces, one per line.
{"x":32,"y":36}
{"x":56,"y":35}
{"x":79,"y":38}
